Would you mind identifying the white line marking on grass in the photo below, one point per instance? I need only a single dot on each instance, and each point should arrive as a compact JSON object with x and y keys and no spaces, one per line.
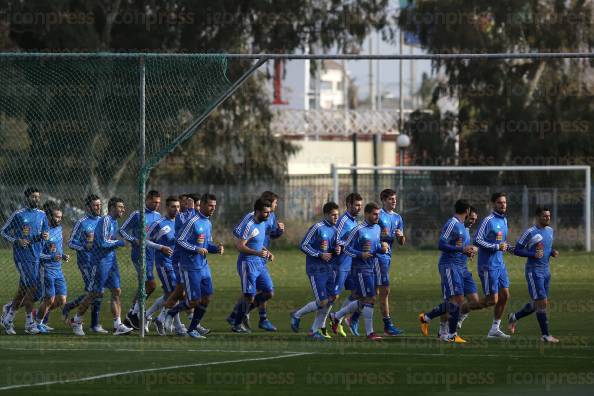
{"x":137,"y":350}
{"x":120,"y":373}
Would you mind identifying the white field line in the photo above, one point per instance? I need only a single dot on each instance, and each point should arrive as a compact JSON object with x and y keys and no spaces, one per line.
{"x":120,"y":373}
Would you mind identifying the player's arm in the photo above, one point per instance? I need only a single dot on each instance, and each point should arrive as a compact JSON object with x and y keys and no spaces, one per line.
{"x":306,"y":244}
{"x":152,"y":239}
{"x":449,"y":234}
{"x":399,"y":233}
{"x":351,"y":245}
{"x":74,"y":242}
{"x":521,"y":249}
{"x":480,"y":238}
{"x":104,"y":238}
{"x":183,"y":238}
{"x":8,"y":229}
{"x":212,"y":247}
{"x":241,"y":246}
{"x":130,"y":224}
{"x":276,"y":231}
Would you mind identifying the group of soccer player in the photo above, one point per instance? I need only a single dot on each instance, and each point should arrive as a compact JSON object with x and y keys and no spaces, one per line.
{"x":341,"y":254}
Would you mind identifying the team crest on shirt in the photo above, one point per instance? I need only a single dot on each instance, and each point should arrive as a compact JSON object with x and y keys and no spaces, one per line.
{"x":201,"y":238}
{"x":385,"y":232}
{"x":255,"y":233}
{"x":499,"y":236}
{"x":26,"y":229}
{"x":459,"y":242}
{"x":52,"y":248}
{"x":324,"y":245}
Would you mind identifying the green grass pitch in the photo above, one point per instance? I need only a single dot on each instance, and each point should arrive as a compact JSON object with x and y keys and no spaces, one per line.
{"x":288,"y":363}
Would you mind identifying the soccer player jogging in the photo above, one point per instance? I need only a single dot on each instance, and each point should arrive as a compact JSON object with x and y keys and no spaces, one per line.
{"x":274,"y":230}
{"x":536,"y":244}
{"x":195,"y":243}
{"x":456,"y":281}
{"x":81,"y":240}
{"x":54,"y":287}
{"x":162,"y":232}
{"x":105,"y":272}
{"x":131,"y":231}
{"x":251,"y":263}
{"x":491,"y":239}
{"x":26,"y":229}
{"x":320,"y":247}
{"x":392,"y":229}
{"x":363,"y":244}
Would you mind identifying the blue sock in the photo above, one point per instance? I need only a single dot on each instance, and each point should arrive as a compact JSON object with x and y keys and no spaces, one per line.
{"x":243,"y":310}
{"x":46,"y":318}
{"x":527,"y":310}
{"x":355,"y":316}
{"x":199,"y":312}
{"x":387,"y":321}
{"x":454,"y":316}
{"x":437,"y":311}
{"x":95,"y":311}
{"x":181,"y":306}
{"x":543,"y":322}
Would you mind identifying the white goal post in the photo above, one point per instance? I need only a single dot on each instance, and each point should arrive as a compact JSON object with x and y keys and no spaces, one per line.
{"x":335,"y":169}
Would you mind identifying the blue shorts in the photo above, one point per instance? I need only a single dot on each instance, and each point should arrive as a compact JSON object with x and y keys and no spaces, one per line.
{"x":105,"y":275}
{"x":254,"y":276}
{"x":150,"y":275}
{"x":322,"y":285}
{"x":197,"y":284}
{"x":382,"y":270}
{"x":340,"y":279}
{"x":538,"y":283}
{"x":167,"y":276}
{"x":366,"y":281}
{"x":28,"y":272}
{"x":175,"y":263}
{"x":493,"y":280}
{"x":456,"y":281}
{"x":54,"y":283}
{"x":85,"y":271}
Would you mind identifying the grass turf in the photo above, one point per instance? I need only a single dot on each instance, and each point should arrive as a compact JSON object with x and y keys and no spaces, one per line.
{"x":288,"y":363}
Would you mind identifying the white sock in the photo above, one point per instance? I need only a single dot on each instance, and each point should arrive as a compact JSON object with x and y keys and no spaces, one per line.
{"x":443,"y":328}
{"x":368,"y":316}
{"x":29,"y":318}
{"x":10,"y":315}
{"x":117,"y":321}
{"x":463,"y":317}
{"x":77,"y":318}
{"x":162,"y":315}
{"x":311,"y":306}
{"x":177,"y":321}
{"x":330,"y":305}
{"x":349,"y":308}
{"x":495,"y":325}
{"x":427,"y":318}
{"x":136,"y":308}
{"x":320,"y":318}
{"x":158,"y":304}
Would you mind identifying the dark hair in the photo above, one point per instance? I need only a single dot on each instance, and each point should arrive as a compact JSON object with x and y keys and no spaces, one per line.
{"x":352,"y":198}
{"x":461,"y":206}
{"x":541,"y":209}
{"x":473,"y":209}
{"x":30,"y":190}
{"x":207,"y":197}
{"x":171,"y":198}
{"x":329,"y":207}
{"x":90,"y":198}
{"x":153,"y":194}
{"x":371,"y":206}
{"x":183,"y":196}
{"x":269,"y":196}
{"x":195,"y":197}
{"x":260,"y":204}
{"x":387,"y":193}
{"x":113,"y":201}
{"x":49,"y":207}
{"x":497,"y":195}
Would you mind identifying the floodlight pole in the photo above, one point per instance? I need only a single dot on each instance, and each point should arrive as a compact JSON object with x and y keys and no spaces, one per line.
{"x":141,"y":194}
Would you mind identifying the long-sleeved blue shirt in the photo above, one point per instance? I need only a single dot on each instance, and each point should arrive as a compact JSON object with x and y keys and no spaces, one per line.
{"x":52,"y":248}
{"x":106,"y":242}
{"x":162,"y":232}
{"x":254,"y":233}
{"x":532,"y":240}
{"x":83,"y":237}
{"x":196,"y":234}
{"x":454,"y":237}
{"x":130,"y":231}
{"x":389,"y":222}
{"x":320,"y":238}
{"x":344,"y":225}
{"x":491,"y":232}
{"x":363,"y":238}
{"x":27,"y":224}
{"x":273,"y":231}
